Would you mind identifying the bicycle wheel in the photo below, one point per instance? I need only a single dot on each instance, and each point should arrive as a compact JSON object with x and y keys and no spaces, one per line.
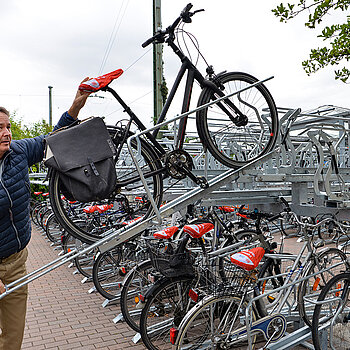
{"x":39,"y":214}
{"x":107,"y":274}
{"x":248,"y":235}
{"x":289,"y":227}
{"x":67,"y":242}
{"x":268,"y":282}
{"x":331,"y":258}
{"x":34,"y":212}
{"x":329,"y":231}
{"x":331,"y":318}
{"x":211,"y":324}
{"x":44,"y":217}
{"x":84,"y":262}
{"x":165,"y":307}
{"x":234,"y":144}
{"x":129,"y":187}
{"x":53,"y":229}
{"x":135,"y":285}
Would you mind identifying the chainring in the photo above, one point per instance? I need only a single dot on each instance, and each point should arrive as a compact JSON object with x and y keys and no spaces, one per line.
{"x":178,"y":163}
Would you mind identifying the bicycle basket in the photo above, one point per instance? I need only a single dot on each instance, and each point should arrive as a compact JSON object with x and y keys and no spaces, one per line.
{"x":234,"y":280}
{"x":168,"y":263}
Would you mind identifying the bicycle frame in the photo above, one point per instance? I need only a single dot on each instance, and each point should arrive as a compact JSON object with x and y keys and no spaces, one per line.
{"x":139,"y":135}
{"x":193,"y":75}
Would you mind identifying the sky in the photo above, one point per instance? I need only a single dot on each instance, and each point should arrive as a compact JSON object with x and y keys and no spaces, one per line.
{"x":46,"y":43}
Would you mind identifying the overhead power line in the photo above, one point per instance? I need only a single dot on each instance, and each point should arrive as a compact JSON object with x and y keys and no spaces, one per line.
{"x":114,"y":33}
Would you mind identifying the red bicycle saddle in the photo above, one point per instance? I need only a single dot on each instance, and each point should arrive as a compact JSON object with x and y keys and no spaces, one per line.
{"x":227,"y":209}
{"x":248,"y":259}
{"x":90,"y":209}
{"x":198,"y":230}
{"x":126,"y":223}
{"x":95,"y":84}
{"x":166,"y":233}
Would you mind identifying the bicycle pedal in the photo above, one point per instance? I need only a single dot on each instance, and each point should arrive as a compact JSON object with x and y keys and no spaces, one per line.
{"x":202,"y":182}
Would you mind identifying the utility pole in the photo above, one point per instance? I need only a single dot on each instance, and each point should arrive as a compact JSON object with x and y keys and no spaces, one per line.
{"x":50,"y":105}
{"x":157,"y":62}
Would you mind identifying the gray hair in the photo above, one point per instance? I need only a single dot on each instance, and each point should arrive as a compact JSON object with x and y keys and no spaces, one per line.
{"x":5,"y":111}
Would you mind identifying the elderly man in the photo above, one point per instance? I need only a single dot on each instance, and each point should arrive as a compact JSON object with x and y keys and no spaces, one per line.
{"x":15,"y":228}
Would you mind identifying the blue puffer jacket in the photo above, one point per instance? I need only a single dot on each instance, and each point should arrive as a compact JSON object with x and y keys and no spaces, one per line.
{"x":15,"y":228}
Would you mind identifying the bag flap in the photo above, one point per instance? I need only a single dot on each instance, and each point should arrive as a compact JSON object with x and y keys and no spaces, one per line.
{"x":79,"y":145}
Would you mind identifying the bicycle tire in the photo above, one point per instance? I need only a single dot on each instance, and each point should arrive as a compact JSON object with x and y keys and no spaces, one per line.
{"x":135,"y":283}
{"x":39,"y":216}
{"x":249,"y":235}
{"x":44,"y":218}
{"x":67,"y":242}
{"x":326,"y":232}
{"x":34,"y":211}
{"x":53,"y":229}
{"x":200,"y":328}
{"x":84,"y":262}
{"x":106,"y":274}
{"x":146,"y":158}
{"x":165,"y":306}
{"x":289,"y":227}
{"x":311,"y":287}
{"x":270,"y":268}
{"x":337,"y":287}
{"x":232,"y":145}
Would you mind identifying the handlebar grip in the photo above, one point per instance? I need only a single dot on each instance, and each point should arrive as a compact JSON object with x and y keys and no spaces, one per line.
{"x":285,"y":202}
{"x":186,"y":9}
{"x":147,"y":42}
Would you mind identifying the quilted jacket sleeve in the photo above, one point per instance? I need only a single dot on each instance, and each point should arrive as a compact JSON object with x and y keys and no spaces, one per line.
{"x":34,"y":147}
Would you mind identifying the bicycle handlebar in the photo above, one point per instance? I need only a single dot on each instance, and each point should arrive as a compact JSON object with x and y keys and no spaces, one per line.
{"x":159,"y":36}
{"x":269,"y":216}
{"x":320,"y":223}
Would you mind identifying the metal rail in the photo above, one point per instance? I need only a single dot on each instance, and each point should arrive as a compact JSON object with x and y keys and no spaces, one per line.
{"x":115,"y":237}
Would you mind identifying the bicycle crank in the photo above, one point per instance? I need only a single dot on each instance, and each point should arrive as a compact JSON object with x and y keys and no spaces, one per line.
{"x":179,"y":165}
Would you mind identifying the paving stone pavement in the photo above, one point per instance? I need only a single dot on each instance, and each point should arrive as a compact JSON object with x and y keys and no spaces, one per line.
{"x":63,"y":315}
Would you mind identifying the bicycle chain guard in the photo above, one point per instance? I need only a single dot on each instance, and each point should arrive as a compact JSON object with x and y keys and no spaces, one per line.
{"x":273,"y":327}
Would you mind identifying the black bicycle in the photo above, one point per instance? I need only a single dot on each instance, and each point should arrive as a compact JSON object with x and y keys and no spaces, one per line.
{"x":236,"y":130}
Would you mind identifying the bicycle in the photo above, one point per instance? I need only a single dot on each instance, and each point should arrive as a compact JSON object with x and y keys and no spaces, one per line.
{"x":236,"y":130}
{"x":168,"y":300}
{"x":220,"y":320}
{"x":111,"y":266}
{"x":331,"y":318}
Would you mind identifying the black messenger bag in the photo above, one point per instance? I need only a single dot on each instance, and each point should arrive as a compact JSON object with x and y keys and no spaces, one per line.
{"x":83,"y":156}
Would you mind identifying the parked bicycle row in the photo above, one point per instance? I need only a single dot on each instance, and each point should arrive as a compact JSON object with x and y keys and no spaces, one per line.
{"x":217,"y":277}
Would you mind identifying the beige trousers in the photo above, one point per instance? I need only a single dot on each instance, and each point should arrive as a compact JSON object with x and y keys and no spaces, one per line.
{"x":13,"y":307}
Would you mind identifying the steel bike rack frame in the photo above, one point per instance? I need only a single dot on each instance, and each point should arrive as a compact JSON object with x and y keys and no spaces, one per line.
{"x":114,"y":237}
